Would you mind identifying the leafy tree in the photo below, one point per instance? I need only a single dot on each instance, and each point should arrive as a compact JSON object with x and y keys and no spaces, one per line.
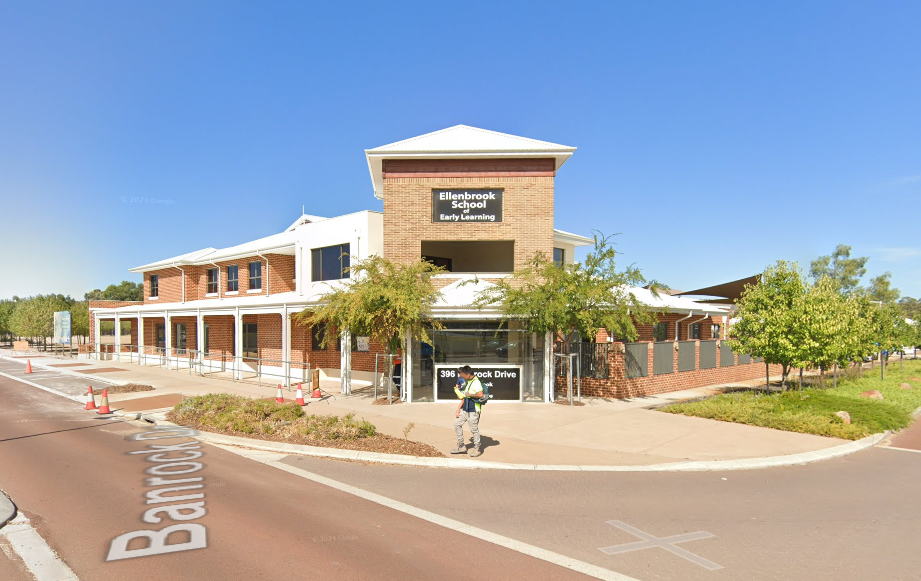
{"x":844,"y":272}
{"x":382,"y":300}
{"x":7,"y":306}
{"x":911,"y":308}
{"x":80,"y":319}
{"x":771,"y":318}
{"x":34,"y":317}
{"x":573,"y":298}
{"x":123,"y":291}
{"x":881,"y":289}
{"x":827,"y":317}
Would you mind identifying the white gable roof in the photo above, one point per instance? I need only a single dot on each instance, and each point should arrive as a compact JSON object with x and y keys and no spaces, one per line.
{"x":458,"y":142}
{"x":461,"y":293}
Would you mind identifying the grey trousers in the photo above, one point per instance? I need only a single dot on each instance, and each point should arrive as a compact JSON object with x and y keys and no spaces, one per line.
{"x":472,"y":418}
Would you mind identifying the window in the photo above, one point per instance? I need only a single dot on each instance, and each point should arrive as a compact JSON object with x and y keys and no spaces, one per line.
{"x":714,"y":331}
{"x":211,"y":275}
{"x":233,"y":278}
{"x":181,"y":340}
{"x":445,"y":263}
{"x":250,"y":340}
{"x":154,"y":285}
{"x":317,"y":337}
{"x":205,"y":331}
{"x":330,"y":263}
{"x":161,"y":335}
{"x":660,"y":331}
{"x":255,"y":275}
{"x":694,"y":331}
{"x":559,"y":256}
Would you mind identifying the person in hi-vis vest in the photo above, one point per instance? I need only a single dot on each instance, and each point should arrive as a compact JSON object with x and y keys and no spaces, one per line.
{"x":468,"y":410}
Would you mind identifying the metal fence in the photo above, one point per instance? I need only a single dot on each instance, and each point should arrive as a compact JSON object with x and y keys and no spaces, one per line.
{"x":687,"y":355}
{"x":208,"y":364}
{"x":707,"y":354}
{"x":727,"y":357}
{"x":663,"y":359}
{"x":594,"y":359}
{"x":636,"y":359}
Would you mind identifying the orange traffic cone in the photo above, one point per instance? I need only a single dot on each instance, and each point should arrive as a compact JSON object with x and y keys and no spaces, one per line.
{"x":90,"y":399}
{"x":279,"y":398}
{"x":299,"y":396}
{"x":316,"y":393}
{"x":28,"y":366}
{"x":104,"y":404}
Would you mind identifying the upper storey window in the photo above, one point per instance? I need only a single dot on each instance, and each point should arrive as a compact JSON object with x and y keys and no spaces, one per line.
{"x":330,"y":263}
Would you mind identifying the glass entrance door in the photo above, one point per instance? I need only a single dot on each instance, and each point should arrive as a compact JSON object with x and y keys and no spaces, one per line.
{"x":509,"y":359}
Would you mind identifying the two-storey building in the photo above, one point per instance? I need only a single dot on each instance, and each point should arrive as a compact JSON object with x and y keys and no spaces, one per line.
{"x":477,"y":202}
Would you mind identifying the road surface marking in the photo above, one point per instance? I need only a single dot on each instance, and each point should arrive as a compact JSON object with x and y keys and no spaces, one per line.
{"x":668,"y":543}
{"x":42,"y":387}
{"x":273,"y":459}
{"x":901,"y":449}
{"x":40,"y":559}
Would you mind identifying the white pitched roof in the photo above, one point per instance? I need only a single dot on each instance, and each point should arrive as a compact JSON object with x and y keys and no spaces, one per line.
{"x":462,"y":141}
{"x":464,"y":138}
{"x":570,"y":238}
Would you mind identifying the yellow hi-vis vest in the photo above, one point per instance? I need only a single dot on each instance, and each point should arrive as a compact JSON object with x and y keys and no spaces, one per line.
{"x":471,"y":387}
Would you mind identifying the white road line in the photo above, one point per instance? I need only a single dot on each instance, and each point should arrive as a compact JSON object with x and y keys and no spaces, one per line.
{"x":595,"y":571}
{"x":900,"y":449}
{"x":40,"y":559}
{"x":75,"y":398}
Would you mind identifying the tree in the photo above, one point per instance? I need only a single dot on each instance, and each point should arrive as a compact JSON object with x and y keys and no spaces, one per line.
{"x":911,"y":308}
{"x":827,"y":317}
{"x":34,"y":317}
{"x":123,"y":291}
{"x":881,"y":289}
{"x":771,"y":318}
{"x":7,"y":307}
{"x":844,"y":272}
{"x":573,"y":298}
{"x":80,"y":319}
{"x":382,"y":300}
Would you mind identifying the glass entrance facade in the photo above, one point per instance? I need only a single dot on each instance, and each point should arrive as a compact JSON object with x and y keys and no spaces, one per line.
{"x":509,"y":358}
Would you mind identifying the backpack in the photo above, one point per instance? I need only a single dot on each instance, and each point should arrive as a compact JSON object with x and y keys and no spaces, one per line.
{"x":486,"y":397}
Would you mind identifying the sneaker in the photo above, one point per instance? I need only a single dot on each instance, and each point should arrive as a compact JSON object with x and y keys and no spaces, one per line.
{"x":459,"y":450}
{"x":476,"y":452}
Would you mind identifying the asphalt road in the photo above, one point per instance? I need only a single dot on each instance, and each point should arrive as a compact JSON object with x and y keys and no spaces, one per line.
{"x":854,"y":518}
{"x":71,"y":473}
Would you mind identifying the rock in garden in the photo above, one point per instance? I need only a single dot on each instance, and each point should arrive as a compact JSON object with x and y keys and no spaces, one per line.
{"x":905,"y":385}
{"x":845,"y":417}
{"x":872,"y":394}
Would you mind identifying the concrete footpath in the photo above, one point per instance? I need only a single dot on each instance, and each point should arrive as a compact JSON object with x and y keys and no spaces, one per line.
{"x":603,"y":432}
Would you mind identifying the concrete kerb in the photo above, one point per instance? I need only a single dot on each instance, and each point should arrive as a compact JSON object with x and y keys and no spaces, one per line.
{"x":68,"y":372}
{"x":399,"y":459}
{"x":7,"y":509}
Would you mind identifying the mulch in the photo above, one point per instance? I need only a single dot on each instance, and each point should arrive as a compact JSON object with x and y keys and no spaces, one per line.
{"x":385,"y":401}
{"x":379,"y":443}
{"x":128,"y":388}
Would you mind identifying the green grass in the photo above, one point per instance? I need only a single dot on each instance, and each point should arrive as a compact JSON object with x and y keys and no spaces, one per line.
{"x":240,"y":415}
{"x":812,"y":410}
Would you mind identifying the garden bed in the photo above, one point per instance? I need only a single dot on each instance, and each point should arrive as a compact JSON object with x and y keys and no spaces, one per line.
{"x":813,"y":410}
{"x":263,"y":419}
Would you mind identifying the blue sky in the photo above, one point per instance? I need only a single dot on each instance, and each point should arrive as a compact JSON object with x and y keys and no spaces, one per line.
{"x":717,"y":137}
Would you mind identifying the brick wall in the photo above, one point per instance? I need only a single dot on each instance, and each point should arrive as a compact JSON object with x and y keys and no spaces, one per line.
{"x":220,"y":335}
{"x":150,"y":333}
{"x":527,"y":204}
{"x":277,"y":278}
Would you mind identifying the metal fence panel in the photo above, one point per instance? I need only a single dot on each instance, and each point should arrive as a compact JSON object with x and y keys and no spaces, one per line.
{"x":594,"y":364}
{"x":744,"y":359}
{"x":687,"y":355}
{"x":636,"y":357}
{"x":663,"y":359}
{"x":727,"y":357}
{"x":707,"y":354}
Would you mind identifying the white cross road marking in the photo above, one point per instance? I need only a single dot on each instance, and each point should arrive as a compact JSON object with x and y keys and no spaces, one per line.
{"x":667,"y":543}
